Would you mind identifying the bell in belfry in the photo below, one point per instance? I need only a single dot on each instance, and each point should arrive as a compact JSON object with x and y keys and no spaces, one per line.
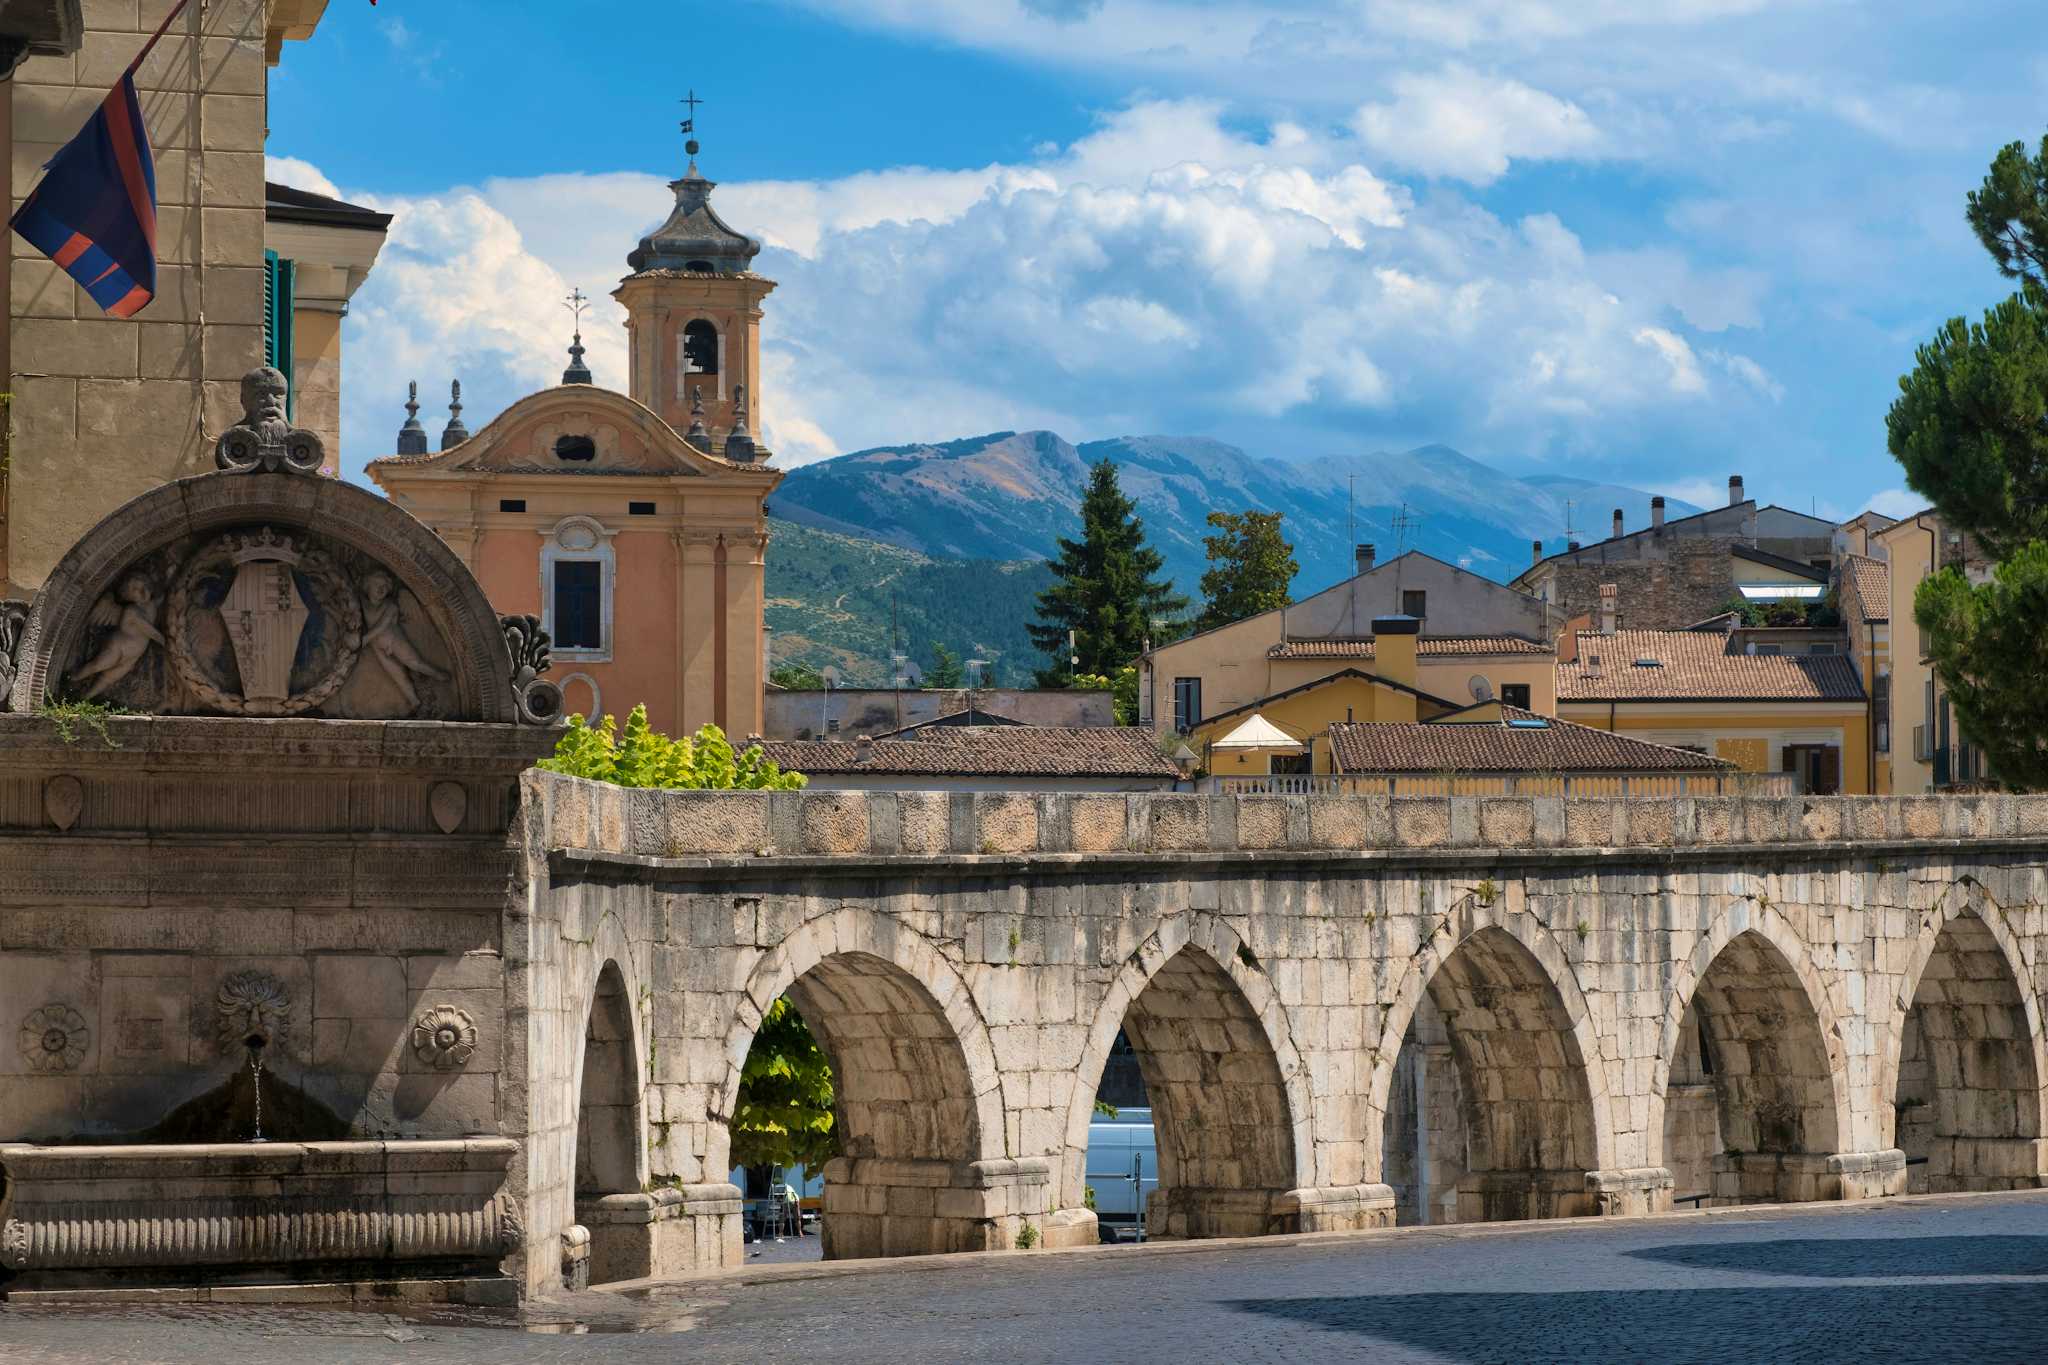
{"x":264,"y":615}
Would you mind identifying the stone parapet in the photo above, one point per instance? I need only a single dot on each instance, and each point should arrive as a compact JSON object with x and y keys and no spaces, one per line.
{"x":1964,"y":1163}
{"x":960,"y":828}
{"x":1798,"y":1177}
{"x":1624,"y":1194}
{"x":1344,"y":1208}
{"x":674,"y":1230}
{"x":1502,"y":1196}
{"x":74,"y":1215}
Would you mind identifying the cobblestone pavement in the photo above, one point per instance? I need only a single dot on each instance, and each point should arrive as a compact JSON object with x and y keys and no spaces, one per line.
{"x":1942,"y":1279}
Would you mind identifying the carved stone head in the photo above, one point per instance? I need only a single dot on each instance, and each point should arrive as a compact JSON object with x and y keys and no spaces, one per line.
{"x":263,"y":395}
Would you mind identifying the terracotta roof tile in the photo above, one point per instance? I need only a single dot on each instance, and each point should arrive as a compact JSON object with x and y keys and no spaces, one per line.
{"x":1871,"y":581}
{"x":986,"y":751}
{"x":1428,"y":646}
{"x":1498,"y":747}
{"x":1698,"y":665}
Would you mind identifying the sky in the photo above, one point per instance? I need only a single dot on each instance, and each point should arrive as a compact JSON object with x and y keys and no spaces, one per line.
{"x":1649,"y":243}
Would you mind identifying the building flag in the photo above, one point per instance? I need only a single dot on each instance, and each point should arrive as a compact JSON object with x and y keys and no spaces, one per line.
{"x":94,"y":213}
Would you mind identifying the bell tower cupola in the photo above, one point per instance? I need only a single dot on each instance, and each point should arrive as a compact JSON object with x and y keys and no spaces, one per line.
{"x":693,"y":321}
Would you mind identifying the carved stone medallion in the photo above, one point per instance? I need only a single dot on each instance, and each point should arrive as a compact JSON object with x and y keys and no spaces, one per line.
{"x":263,"y":625}
{"x":447,"y":803}
{"x":53,"y":1038}
{"x":63,"y":800}
{"x":444,"y":1037}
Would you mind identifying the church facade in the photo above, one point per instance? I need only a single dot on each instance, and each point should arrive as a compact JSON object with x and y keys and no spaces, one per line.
{"x":632,"y":524}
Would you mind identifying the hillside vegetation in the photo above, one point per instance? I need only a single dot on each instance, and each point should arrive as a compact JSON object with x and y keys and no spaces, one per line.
{"x":829,"y":597}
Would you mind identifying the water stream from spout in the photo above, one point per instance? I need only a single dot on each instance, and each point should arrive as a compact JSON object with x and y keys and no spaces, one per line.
{"x":256,"y":1082}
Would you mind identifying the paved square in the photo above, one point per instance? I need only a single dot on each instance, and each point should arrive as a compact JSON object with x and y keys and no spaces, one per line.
{"x":1963,"y":1278}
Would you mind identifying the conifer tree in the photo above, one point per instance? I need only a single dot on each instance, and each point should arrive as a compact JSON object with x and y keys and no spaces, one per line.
{"x":946,"y":670}
{"x":1107,"y":588}
{"x":1251,"y":568}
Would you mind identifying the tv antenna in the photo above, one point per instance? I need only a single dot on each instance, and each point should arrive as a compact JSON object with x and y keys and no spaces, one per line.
{"x":1570,"y":532}
{"x":1404,"y":522}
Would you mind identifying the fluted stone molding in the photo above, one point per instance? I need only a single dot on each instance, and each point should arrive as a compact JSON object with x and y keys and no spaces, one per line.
{"x":252,"y":1205}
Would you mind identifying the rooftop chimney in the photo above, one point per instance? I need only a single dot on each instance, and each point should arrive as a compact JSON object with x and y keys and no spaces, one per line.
{"x":1394,"y":644}
{"x":1535,"y":552}
{"x":1362,"y":556}
{"x":1657,"y":511}
{"x":1570,"y":545}
{"x":1610,"y":606}
{"x":863,"y":749}
{"x":1735,"y":493}
{"x":1617,"y":523}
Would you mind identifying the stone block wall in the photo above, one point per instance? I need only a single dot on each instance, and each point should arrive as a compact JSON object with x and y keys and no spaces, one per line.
{"x":106,"y":408}
{"x":1268,"y":956}
{"x":1679,"y":582}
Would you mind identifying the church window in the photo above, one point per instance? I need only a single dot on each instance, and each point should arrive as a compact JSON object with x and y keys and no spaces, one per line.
{"x":578,"y":595}
{"x":577,"y":580}
{"x":511,"y":504}
{"x":640,"y":509}
{"x":701,"y":267}
{"x":575,"y":448}
{"x":700,"y":348}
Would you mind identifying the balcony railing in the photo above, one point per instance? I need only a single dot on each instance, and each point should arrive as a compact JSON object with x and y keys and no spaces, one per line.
{"x":1514,"y":784}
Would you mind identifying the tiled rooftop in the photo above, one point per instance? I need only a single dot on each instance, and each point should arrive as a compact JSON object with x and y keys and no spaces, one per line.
{"x":1871,"y":581}
{"x":1698,"y":665}
{"x":1557,"y":746}
{"x":986,"y":751}
{"x":1427,"y":646}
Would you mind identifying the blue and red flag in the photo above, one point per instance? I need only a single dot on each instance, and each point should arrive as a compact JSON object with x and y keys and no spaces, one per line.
{"x":94,"y":213}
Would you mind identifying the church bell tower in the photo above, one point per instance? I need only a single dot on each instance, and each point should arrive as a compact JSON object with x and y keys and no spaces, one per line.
{"x":693,"y":321}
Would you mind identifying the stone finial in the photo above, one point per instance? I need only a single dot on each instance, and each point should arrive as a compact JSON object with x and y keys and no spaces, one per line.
{"x":538,"y":701}
{"x":739,"y":443}
{"x":578,"y":372}
{"x":412,"y":437}
{"x":265,"y":441}
{"x":454,"y":434}
{"x":698,"y":435}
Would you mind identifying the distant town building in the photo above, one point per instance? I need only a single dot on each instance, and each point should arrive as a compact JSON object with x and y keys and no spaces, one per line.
{"x":634,"y":525}
{"x":843,"y":712}
{"x":1929,"y":749}
{"x":1671,"y":574}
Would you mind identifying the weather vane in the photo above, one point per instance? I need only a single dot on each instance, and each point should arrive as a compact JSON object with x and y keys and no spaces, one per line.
{"x":690,"y":120}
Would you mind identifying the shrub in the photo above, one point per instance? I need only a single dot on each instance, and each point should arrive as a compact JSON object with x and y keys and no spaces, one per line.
{"x":644,"y":757}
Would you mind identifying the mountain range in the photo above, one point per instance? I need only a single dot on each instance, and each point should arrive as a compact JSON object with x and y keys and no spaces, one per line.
{"x":1011,"y":495}
{"x":955,"y":535}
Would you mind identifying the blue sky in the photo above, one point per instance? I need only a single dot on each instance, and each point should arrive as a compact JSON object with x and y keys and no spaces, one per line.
{"x":1555,"y":234}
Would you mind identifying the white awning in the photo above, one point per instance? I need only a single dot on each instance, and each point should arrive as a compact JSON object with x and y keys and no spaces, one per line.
{"x":1259,"y":733}
{"x":1783,"y":592}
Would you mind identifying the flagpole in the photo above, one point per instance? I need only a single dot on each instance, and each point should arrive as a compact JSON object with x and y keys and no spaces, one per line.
{"x":161,"y":29}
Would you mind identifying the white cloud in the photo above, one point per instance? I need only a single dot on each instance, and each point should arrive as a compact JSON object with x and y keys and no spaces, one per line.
{"x":1896,"y":502}
{"x":299,"y":175}
{"x":1162,"y":272}
{"x":1459,"y":123}
{"x":1750,"y":373}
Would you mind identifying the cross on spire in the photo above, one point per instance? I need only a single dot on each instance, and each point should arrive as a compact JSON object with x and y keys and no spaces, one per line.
{"x":691,"y":102}
{"x":578,"y":372}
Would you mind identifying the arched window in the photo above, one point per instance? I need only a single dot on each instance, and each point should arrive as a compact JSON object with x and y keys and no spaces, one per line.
{"x":700,"y":348}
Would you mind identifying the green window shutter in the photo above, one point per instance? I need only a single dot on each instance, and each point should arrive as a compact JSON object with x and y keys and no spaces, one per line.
{"x":279,"y":279}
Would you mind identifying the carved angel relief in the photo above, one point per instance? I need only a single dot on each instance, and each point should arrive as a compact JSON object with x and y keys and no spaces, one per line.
{"x":128,"y":617}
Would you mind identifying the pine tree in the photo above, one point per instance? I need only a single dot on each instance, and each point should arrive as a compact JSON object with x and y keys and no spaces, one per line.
{"x":1251,"y":567}
{"x":946,"y":671}
{"x":1106,"y":588}
{"x":1971,"y":429}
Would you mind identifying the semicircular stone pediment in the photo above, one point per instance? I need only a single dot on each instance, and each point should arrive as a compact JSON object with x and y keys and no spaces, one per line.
{"x":266,"y":594}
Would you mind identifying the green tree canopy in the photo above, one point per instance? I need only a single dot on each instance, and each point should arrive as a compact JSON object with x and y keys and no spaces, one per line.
{"x":1251,"y":568}
{"x":1968,"y":427}
{"x":784,"y":1113}
{"x":644,"y":757}
{"x":1122,"y":687}
{"x":1106,"y":588}
{"x":796,"y":677}
{"x":946,"y":670}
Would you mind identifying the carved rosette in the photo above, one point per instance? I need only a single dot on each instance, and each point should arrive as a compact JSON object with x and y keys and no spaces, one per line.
{"x":264,"y":635}
{"x":54,"y":1038}
{"x":444,"y":1037}
{"x":253,"y":1005}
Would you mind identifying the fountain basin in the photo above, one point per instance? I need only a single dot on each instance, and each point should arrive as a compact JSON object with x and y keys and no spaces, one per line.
{"x":246,"y":1213}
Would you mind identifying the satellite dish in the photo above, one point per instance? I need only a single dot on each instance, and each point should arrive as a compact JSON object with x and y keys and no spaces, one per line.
{"x":1481,"y":689}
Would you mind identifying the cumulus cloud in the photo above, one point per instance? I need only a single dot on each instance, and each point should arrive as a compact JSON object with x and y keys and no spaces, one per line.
{"x":1166,"y":271}
{"x":1896,"y":502}
{"x":299,"y":175}
{"x":1460,"y":123}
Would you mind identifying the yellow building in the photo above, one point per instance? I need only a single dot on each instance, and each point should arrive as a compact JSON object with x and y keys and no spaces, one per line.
{"x":1474,"y":640}
{"x":1929,"y":750}
{"x":639,"y":546}
{"x":1802,"y":714}
{"x":1866,"y":596}
{"x":104,"y":408}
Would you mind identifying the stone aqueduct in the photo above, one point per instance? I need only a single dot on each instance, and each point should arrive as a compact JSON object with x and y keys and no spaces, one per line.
{"x":1749,"y":999}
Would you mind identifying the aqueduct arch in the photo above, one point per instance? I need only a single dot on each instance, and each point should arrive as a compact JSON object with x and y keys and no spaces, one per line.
{"x":1963,"y":1057}
{"x":1751,"y":1008}
{"x":917,"y":1094}
{"x":1515,"y":1127}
